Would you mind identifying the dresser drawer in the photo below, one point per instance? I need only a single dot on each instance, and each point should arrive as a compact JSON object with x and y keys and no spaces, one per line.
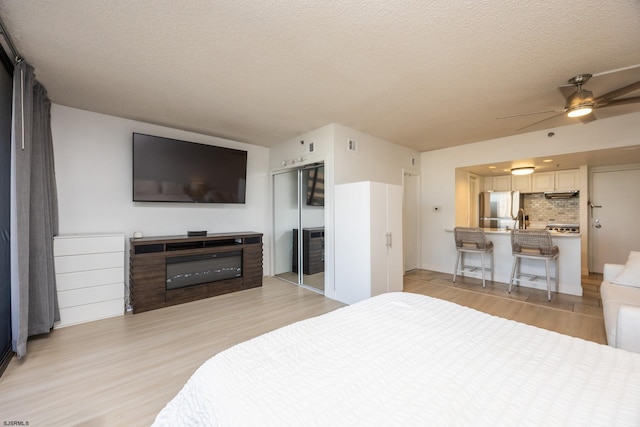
{"x":90,"y":278}
{"x":71,"y":263}
{"x":77,"y":297}
{"x":87,"y":244}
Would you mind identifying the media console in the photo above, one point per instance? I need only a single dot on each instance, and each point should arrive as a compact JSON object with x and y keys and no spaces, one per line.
{"x":173,"y":270}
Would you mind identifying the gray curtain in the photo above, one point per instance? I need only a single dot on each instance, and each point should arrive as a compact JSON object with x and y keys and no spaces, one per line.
{"x":34,"y":222}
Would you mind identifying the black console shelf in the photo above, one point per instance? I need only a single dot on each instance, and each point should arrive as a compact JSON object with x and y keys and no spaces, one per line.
{"x":148,"y":259}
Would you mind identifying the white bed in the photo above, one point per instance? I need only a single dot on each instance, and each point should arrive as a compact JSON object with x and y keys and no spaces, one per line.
{"x":404,"y":359}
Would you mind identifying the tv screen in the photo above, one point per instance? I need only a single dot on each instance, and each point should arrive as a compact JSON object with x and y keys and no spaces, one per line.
{"x":315,"y":186}
{"x":169,"y":170}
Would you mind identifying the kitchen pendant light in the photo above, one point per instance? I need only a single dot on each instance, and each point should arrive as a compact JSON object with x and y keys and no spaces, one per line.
{"x":522,"y":171}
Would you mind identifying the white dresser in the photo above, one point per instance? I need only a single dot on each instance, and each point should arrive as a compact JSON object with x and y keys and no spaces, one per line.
{"x":89,"y":277}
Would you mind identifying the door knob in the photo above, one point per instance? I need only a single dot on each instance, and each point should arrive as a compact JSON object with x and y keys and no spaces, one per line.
{"x":598,"y":226}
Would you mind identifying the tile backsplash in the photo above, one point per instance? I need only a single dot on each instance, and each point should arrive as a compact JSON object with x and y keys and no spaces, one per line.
{"x":539,"y":209}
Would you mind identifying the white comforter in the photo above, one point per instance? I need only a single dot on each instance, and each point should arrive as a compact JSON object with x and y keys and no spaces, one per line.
{"x":404,"y":359}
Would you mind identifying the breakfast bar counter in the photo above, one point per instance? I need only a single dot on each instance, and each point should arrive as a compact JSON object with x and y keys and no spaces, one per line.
{"x":569,"y":261}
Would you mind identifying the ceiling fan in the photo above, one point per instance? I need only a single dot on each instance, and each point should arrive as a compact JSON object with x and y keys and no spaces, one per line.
{"x":580,"y":102}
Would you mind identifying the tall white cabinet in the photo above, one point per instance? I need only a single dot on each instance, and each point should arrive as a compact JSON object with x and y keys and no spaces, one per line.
{"x":89,"y":277}
{"x":368,"y":240}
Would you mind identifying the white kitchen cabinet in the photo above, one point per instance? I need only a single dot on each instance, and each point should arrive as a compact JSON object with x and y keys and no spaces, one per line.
{"x":89,"y":277}
{"x":497,"y":183}
{"x":543,"y":181}
{"x":555,"y":181}
{"x":567,"y":180}
{"x":502,"y":183}
{"x":368,"y":240}
{"x":521,"y":183}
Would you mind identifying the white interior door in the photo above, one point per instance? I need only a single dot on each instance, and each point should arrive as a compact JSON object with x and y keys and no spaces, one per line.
{"x":378,"y":206}
{"x":394,"y":243}
{"x":353,"y":242}
{"x":614,"y":225}
{"x":410,"y":226}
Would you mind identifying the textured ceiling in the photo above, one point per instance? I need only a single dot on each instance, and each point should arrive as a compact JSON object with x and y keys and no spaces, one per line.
{"x":424,"y":74}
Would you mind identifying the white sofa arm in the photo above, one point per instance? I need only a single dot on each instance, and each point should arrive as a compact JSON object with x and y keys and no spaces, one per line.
{"x":611,"y":270}
{"x":628,"y":330}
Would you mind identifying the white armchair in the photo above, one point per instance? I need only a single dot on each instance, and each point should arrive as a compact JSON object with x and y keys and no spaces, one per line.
{"x":621,"y":308}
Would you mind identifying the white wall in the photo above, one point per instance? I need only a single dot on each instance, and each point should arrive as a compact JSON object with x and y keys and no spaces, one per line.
{"x":375,"y":159}
{"x":438,"y":172}
{"x":295,"y":151}
{"x":93,"y":161}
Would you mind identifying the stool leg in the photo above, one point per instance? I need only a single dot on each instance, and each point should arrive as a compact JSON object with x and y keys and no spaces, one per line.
{"x":492,"y":264}
{"x":482,"y":262}
{"x":513,"y":272}
{"x":557,"y":274}
{"x":455,"y":271}
{"x":546,"y":267}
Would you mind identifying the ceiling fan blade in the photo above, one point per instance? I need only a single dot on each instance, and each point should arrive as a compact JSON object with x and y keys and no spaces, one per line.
{"x":608,"y":97}
{"x":540,"y":121}
{"x":529,"y":114}
{"x":623,"y":101}
{"x":630,"y":67}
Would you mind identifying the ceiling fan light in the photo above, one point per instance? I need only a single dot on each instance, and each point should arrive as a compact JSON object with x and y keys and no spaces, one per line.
{"x":579,"y":111}
{"x":522,"y":171}
{"x":579,"y":103}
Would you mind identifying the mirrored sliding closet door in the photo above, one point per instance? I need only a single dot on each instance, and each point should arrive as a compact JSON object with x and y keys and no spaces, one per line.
{"x":298,"y":223}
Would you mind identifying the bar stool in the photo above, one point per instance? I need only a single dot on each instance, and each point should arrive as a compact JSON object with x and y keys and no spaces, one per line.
{"x":537,"y":245}
{"x":471,"y":240}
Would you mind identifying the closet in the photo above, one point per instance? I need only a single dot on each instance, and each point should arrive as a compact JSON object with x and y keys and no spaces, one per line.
{"x":298,"y":225}
{"x":368,"y":240}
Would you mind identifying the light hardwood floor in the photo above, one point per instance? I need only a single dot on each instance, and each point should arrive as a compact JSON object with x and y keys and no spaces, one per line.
{"x":123,"y":370}
{"x":568,"y":314}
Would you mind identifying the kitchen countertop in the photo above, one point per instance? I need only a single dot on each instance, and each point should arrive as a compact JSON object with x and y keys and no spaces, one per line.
{"x":569,"y":260}
{"x":553,"y":233}
{"x":504,"y":231}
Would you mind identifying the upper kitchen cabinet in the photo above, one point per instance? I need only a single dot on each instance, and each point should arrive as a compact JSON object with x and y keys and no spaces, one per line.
{"x":555,"y":181}
{"x":521,"y":183}
{"x":497,"y":183}
{"x":543,"y":181}
{"x":567,"y":180}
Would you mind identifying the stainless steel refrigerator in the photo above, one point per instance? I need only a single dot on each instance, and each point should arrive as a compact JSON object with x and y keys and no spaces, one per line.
{"x":501,"y":209}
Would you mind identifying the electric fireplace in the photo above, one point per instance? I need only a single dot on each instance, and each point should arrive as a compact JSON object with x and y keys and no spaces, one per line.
{"x":191,"y":270}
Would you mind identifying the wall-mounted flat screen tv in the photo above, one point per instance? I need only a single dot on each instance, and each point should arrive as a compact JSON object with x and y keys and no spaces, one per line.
{"x":315,"y":186}
{"x":170,"y":170}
